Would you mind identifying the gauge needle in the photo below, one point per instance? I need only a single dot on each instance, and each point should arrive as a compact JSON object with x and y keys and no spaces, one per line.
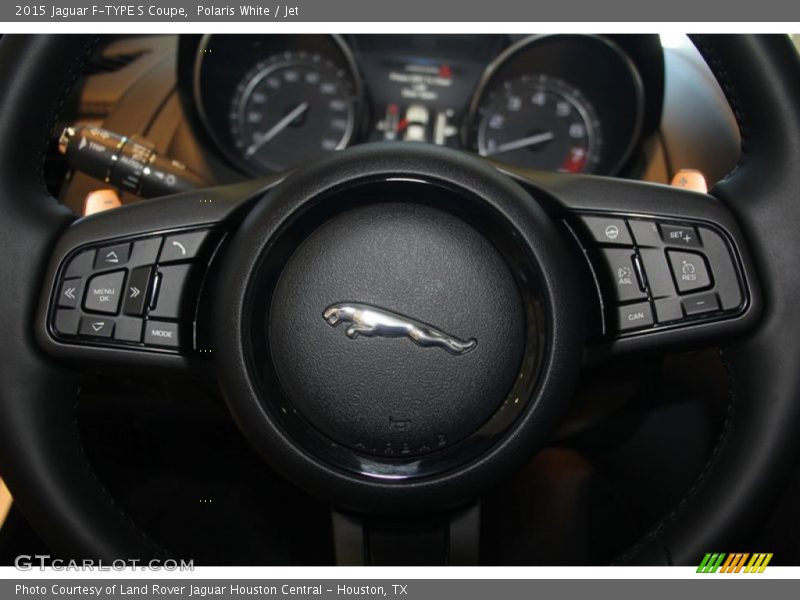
{"x":532,"y":140}
{"x":277,"y":128}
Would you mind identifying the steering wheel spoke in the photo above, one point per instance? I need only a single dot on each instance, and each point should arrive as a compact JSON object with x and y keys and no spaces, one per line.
{"x":669,"y":267}
{"x":129,"y":286}
{"x":450,"y":538}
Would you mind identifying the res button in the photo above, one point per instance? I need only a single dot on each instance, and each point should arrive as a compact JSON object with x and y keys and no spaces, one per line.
{"x":689,"y":270}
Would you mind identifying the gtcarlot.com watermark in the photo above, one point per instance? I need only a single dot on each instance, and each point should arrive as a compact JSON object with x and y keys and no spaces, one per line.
{"x":28,"y":562}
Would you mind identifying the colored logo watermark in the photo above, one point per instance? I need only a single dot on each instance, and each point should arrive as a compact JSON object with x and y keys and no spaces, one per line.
{"x":739,"y":562}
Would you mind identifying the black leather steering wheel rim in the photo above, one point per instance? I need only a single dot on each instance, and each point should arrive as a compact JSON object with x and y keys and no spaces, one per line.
{"x":41,"y":455}
{"x":757,"y":448}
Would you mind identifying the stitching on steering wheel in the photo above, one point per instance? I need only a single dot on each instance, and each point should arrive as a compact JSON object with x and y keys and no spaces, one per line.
{"x":722,"y":76}
{"x":160,"y":552}
{"x":75,"y":71}
{"x":657,"y":530}
{"x":717,"y":66}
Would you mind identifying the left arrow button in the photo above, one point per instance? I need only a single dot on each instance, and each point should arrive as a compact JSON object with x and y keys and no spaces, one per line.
{"x":71,"y":292}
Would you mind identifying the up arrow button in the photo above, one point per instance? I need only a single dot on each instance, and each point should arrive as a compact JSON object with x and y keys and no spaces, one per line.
{"x":112,"y":256}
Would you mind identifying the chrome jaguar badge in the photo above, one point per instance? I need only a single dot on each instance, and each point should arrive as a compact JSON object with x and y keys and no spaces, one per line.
{"x":371,"y":321}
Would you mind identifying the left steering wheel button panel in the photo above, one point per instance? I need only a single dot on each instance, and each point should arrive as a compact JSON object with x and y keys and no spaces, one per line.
{"x":104,"y":292}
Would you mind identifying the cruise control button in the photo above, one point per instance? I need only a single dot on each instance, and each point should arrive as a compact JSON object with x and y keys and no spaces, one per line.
{"x":689,"y":270}
{"x":161,"y":333}
{"x":103,"y":292}
{"x":634,"y":316}
{"x":680,"y":235}
{"x":182,"y":246}
{"x":607,"y":230}
{"x":697,"y":305}
{"x":112,"y":256}
{"x":620,"y":275}
{"x":136,"y":292}
{"x":70,"y":294}
{"x":97,"y":327}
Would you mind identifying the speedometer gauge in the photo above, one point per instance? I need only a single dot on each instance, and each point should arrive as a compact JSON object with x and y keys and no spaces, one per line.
{"x":540,"y":122}
{"x":291,"y":108}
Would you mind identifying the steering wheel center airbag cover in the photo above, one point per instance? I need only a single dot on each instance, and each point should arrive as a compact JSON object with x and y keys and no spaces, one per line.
{"x":397,"y":329}
{"x":398,"y":326}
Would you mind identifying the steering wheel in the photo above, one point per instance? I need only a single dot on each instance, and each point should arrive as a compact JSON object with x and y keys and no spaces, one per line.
{"x":396,"y":328}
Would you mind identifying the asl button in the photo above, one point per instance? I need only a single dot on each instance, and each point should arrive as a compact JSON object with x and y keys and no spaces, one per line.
{"x":689,"y":270}
{"x":161,"y":333}
{"x":70,"y":294}
{"x":620,"y":275}
{"x":96,"y":327}
{"x":103,"y":292}
{"x":634,"y":316}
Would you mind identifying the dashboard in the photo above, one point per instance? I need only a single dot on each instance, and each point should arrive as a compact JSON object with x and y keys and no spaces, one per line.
{"x":233,"y":107}
{"x":571,"y":103}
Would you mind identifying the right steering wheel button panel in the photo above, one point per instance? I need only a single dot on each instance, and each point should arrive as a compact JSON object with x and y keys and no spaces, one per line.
{"x":657,"y":273}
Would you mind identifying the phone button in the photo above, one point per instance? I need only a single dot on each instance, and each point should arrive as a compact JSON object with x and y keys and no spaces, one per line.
{"x":182,"y":246}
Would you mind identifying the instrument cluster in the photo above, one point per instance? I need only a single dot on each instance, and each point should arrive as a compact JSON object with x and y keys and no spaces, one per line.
{"x":572,"y":103}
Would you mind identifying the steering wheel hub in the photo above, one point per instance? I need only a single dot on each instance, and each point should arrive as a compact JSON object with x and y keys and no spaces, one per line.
{"x":393,"y":322}
{"x":396,"y":329}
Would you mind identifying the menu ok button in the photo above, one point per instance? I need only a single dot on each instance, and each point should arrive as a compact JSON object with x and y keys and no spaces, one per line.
{"x":103,"y":292}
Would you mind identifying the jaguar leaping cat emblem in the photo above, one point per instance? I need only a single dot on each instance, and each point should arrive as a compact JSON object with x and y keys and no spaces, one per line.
{"x":371,"y":321}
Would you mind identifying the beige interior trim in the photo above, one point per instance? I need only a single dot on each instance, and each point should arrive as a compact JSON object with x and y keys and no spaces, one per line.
{"x":5,"y":502}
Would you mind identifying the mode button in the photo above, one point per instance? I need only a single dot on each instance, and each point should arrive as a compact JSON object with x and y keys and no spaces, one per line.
{"x":161,"y":333}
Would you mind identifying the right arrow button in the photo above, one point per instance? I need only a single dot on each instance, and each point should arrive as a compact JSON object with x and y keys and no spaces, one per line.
{"x":136,"y":292}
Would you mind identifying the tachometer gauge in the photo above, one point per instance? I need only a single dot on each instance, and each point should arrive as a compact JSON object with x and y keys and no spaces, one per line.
{"x":291,"y":108}
{"x":540,"y":122}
